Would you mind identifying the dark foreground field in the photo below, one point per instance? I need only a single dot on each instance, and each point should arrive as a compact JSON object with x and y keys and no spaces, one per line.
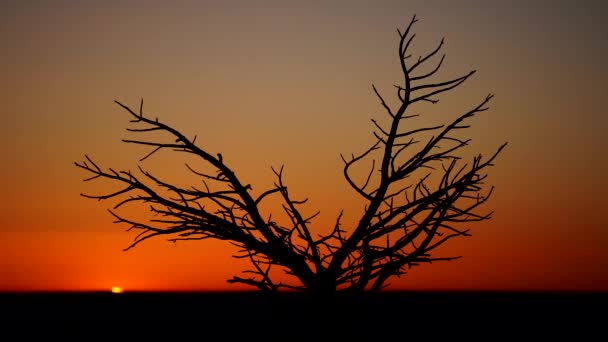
{"x":254,"y":316}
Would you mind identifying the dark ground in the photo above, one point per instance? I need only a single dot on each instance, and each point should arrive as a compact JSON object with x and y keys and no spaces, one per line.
{"x":254,"y":316}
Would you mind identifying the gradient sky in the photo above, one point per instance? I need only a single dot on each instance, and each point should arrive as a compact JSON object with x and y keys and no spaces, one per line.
{"x":289,"y":82}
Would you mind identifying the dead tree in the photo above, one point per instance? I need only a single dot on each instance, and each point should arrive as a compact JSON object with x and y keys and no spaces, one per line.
{"x":419,"y":194}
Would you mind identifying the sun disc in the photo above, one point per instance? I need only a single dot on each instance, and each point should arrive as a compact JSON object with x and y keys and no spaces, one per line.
{"x":116,"y":289}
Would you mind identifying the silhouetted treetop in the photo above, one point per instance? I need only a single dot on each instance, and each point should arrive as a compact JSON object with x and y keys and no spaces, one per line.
{"x":419,"y":193}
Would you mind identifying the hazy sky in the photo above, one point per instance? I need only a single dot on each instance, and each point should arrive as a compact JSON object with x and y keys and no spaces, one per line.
{"x":269,"y":83}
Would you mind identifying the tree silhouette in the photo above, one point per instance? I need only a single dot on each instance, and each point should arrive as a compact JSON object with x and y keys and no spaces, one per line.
{"x":418,"y":194}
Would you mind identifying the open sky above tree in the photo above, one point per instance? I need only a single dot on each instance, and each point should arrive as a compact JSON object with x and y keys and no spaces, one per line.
{"x":298,"y":94}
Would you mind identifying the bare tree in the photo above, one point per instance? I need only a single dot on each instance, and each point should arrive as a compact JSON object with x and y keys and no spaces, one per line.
{"x":418,"y":193}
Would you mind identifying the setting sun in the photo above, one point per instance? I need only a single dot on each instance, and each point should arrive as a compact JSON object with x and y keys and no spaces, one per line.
{"x":116,"y":289}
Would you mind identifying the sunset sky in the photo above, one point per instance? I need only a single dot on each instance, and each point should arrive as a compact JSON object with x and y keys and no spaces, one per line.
{"x":271,"y":83}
